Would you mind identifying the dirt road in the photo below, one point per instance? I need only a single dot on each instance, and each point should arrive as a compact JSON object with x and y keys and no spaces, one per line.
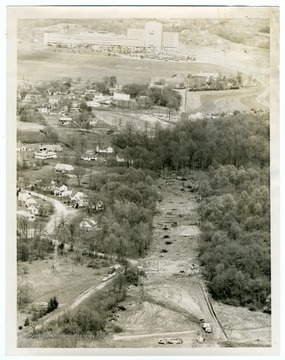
{"x":172,"y":297}
{"x":72,"y":304}
{"x":129,"y":337}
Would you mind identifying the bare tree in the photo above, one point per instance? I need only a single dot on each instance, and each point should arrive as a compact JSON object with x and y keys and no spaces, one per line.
{"x":79,"y":172}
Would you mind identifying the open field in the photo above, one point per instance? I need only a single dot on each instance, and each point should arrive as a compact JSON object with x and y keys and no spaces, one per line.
{"x":29,"y":126}
{"x":45,"y":65}
{"x":66,"y":282}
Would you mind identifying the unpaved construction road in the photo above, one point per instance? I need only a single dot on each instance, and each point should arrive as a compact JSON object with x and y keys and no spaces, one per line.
{"x":172,"y":297}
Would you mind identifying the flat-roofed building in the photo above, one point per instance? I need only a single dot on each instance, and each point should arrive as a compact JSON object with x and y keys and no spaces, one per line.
{"x":170,"y":40}
{"x":153,"y":34}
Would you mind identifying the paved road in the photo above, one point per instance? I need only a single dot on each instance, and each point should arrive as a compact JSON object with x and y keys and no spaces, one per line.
{"x":60,"y":211}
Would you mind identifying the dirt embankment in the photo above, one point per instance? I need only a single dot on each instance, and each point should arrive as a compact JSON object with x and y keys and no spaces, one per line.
{"x":172,"y":297}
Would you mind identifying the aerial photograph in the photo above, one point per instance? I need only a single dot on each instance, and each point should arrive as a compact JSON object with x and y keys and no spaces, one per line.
{"x":143,"y":182}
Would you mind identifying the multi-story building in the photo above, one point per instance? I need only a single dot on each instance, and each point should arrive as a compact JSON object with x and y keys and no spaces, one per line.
{"x":170,"y":40}
{"x":151,"y":36}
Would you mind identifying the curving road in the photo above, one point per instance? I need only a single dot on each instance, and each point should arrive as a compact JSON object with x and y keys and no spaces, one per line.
{"x":60,"y":212}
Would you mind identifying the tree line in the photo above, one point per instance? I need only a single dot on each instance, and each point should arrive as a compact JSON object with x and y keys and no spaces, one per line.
{"x":239,"y":140}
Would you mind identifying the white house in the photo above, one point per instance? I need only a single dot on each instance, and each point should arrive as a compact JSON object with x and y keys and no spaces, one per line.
{"x":65,"y":193}
{"x":65,"y":120}
{"x":93,"y":122}
{"x":63,"y":188}
{"x":33,"y":209}
{"x":63,"y":168}
{"x":88,"y":224}
{"x":23,"y":196}
{"x":42,"y":110}
{"x":109,"y":150}
{"x":51,"y":148}
{"x":53,"y":100}
{"x":30,"y":201}
{"x":43,"y":155}
{"x":78,"y":199}
{"x":21,"y":147}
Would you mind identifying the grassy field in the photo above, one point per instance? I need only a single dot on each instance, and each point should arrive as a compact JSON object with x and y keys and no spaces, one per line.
{"x":45,"y":65}
{"x":66,"y":282}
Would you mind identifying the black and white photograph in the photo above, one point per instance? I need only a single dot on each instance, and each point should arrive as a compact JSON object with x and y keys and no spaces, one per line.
{"x":144,"y":194}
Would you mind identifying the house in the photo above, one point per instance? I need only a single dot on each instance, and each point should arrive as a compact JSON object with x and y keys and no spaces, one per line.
{"x":63,"y":168}
{"x":93,"y":122}
{"x":74,"y":110}
{"x":23,"y":196}
{"x":89,"y":158}
{"x":30,"y":148}
{"x":63,"y":188}
{"x":65,"y":120}
{"x":78,"y":199}
{"x":93,"y":104}
{"x":53,"y":100}
{"x":43,"y":155}
{"x":51,"y":148}
{"x":30,"y":98}
{"x":88,"y":224}
{"x":42,"y":110}
{"x":21,"y":147}
{"x":30,"y":201}
{"x":33,"y":209}
{"x":66,"y":193}
{"x":62,"y":191}
{"x":108,"y":150}
{"x":25,"y":215}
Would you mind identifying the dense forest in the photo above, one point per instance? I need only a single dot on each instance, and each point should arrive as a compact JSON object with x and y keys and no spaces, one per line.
{"x":232,"y":157}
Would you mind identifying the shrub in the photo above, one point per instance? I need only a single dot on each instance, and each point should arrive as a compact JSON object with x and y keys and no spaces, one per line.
{"x":27,"y":322}
{"x":117,"y":329}
{"x":252,"y":307}
{"x":232,"y":302}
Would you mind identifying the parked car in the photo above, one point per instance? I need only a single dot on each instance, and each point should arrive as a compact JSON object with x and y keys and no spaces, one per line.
{"x":175,"y":341}
{"x":206,"y":326}
{"x":170,"y":341}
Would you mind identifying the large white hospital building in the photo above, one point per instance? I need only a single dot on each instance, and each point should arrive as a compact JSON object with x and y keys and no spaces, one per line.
{"x":151,"y":36}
